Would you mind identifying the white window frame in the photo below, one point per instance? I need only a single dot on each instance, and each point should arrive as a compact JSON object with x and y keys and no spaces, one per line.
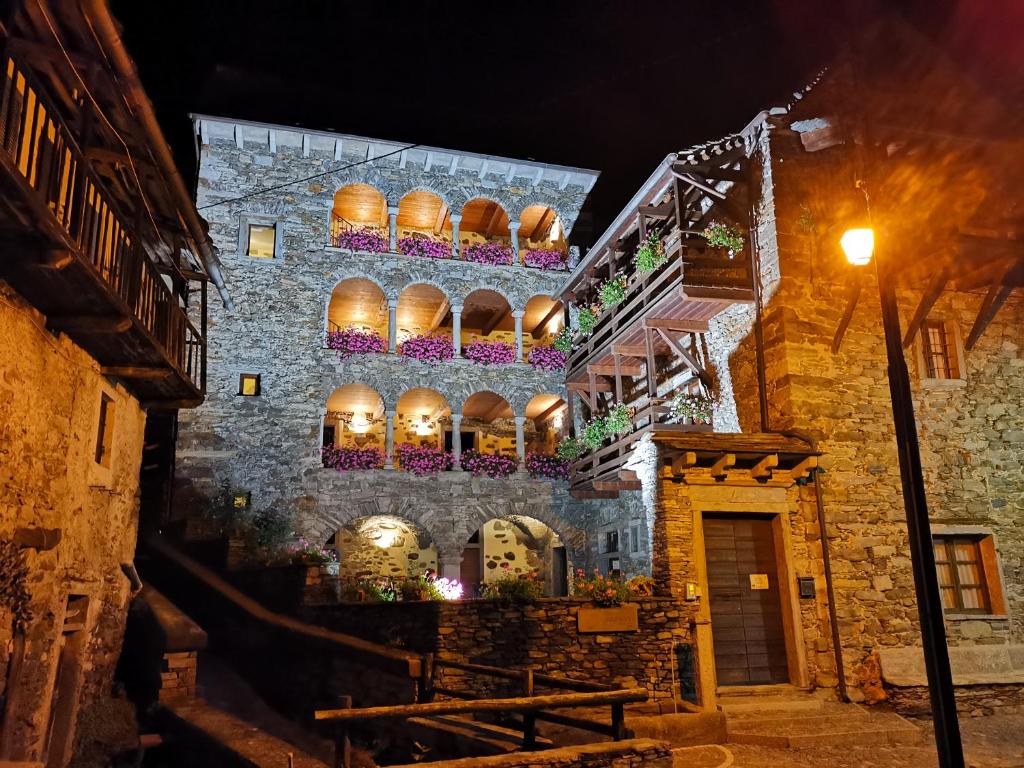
{"x":247,"y":220}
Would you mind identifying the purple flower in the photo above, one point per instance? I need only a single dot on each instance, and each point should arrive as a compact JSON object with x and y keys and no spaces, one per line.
{"x":426,"y":248}
{"x":488,"y":253}
{"x":352,"y":341}
{"x":547,"y":465}
{"x":545,"y":259}
{"x":346,"y":459}
{"x":422,"y":460}
{"x":490,"y":352}
{"x":490,"y":464}
{"x":361,"y":240}
{"x":547,"y":358}
{"x":428,"y":349}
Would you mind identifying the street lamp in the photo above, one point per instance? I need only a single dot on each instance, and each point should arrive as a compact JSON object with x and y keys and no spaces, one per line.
{"x":858,"y":245}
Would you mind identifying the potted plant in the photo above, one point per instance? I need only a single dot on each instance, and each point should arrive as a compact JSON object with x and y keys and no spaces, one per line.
{"x":570,"y":449}
{"x":612,"y":291}
{"x":723,"y":236}
{"x":428,"y":349}
{"x":512,"y":587}
{"x":546,"y":465}
{"x":359,"y":239}
{"x":547,"y":358}
{"x":692,"y":408}
{"x":354,"y":341}
{"x":545,"y":259}
{"x":563,"y":341}
{"x":650,"y":254}
{"x":610,"y":612}
{"x":587,"y":318}
{"x":425,"y":247}
{"x":487,"y":352}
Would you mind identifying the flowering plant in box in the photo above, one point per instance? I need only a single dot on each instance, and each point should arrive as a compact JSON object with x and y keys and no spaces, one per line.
{"x":545,"y":358}
{"x":490,"y":464}
{"x":545,"y":465}
{"x":612,"y":291}
{"x":422,"y":460}
{"x":603,"y":591}
{"x":545,"y":259}
{"x":587,"y":318}
{"x":488,"y":253}
{"x":361,"y":240}
{"x":353,"y":341}
{"x":619,"y":419}
{"x":563,"y":341}
{"x":512,"y":587}
{"x":723,"y":236}
{"x":424,"y":247}
{"x":428,"y":349}
{"x":594,"y":433}
{"x":304,"y":552}
{"x":692,"y":407}
{"x":570,"y":449}
{"x":347,"y":459}
{"x":650,"y":254}
{"x":490,"y":352}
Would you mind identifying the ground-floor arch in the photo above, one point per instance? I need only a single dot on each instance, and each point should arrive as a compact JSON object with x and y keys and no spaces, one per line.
{"x":385,"y":547}
{"x":519,"y":545}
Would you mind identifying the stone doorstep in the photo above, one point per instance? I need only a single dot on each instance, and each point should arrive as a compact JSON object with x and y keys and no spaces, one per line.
{"x":838,"y":729}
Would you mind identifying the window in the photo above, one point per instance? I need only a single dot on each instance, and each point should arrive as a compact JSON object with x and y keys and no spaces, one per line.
{"x":634,"y":539}
{"x":262,"y":241}
{"x":105,"y":431}
{"x":611,"y":541}
{"x":964,"y":580}
{"x":249,"y":384}
{"x":939,"y":347}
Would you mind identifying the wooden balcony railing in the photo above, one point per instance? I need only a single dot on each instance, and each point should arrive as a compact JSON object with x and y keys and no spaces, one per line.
{"x":71,"y":208}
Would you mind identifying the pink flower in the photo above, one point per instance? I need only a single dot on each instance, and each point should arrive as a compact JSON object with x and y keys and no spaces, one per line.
{"x":490,"y":352}
{"x":545,"y":259}
{"x":540,"y":465}
{"x":351,"y":341}
{"x":347,"y":459}
{"x":427,"y":248}
{"x":547,"y":358}
{"x":488,"y":253}
{"x":422,"y":460}
{"x":361,"y":240}
{"x":428,"y":349}
{"x":489,"y":464}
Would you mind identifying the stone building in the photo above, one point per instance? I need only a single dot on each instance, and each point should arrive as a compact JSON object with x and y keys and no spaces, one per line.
{"x":761,"y":455}
{"x":393,"y":310}
{"x":102,"y":301}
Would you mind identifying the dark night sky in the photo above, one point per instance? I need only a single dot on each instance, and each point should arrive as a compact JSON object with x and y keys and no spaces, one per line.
{"x":607,"y":85}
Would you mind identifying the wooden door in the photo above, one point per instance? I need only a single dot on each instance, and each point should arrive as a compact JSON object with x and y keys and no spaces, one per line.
{"x":471,"y":572}
{"x":743,"y":592}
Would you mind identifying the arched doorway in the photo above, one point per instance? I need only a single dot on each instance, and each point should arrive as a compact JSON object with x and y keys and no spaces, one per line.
{"x":383,"y":547}
{"x":545,"y":423}
{"x":518,"y":545}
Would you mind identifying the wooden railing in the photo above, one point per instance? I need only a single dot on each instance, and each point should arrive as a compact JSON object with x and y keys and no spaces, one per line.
{"x":530,"y":705}
{"x":73,"y":207}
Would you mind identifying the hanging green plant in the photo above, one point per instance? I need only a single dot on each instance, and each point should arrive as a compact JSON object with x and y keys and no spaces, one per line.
{"x":571,"y":448}
{"x":14,"y":594}
{"x":587,"y":318}
{"x":613,"y":291}
{"x":563,"y":341}
{"x":650,"y":254}
{"x":723,"y":236}
{"x":618,"y":420}
{"x":594,"y":433}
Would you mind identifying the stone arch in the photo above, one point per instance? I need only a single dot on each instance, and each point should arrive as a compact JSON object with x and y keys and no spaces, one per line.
{"x":354,"y":417}
{"x":353,"y":302}
{"x":423,"y":308}
{"x":475,"y":219}
{"x":434,"y":189}
{"x":384,"y":546}
{"x":421,"y":415}
{"x":519,"y":206}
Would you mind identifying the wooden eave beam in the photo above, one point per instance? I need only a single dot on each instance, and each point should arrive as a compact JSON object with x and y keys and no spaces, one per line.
{"x":722,"y":464}
{"x":603,"y":369}
{"x":603,"y":385}
{"x":928,"y":299}
{"x":994,"y":300}
{"x":671,"y":324}
{"x":683,"y":461}
{"x":853,"y":296}
{"x":538,"y":330}
{"x":495,"y":321}
{"x":763,"y":468}
{"x":442,"y":217}
{"x":137,"y":371}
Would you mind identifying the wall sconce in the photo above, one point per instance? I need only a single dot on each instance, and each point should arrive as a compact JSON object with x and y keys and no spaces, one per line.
{"x":424,"y":427}
{"x":361,"y":423}
{"x":692,"y":593}
{"x":858,"y":245}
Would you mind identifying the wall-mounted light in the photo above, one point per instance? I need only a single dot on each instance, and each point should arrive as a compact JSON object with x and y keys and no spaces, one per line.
{"x":692,"y":592}
{"x":360,"y":423}
{"x":424,"y":426}
{"x":858,"y":245}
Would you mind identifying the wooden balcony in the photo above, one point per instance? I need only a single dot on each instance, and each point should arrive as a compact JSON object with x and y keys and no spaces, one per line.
{"x":70,"y":249}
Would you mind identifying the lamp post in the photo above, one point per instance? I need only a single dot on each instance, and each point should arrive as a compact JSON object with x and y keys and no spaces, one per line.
{"x":858,"y":245}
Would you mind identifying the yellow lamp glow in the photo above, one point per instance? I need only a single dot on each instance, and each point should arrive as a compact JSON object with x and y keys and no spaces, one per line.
{"x":360,"y":423}
{"x":424,"y":427}
{"x":858,"y":245}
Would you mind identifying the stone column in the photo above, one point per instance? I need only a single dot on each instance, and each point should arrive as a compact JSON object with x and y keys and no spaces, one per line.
{"x":518,"y":315}
{"x":449,"y":565}
{"x":456,"y":441}
{"x":392,"y":325}
{"x":393,"y":227}
{"x":457,"y":329}
{"x":455,"y":218}
{"x":389,"y":440}
{"x":513,"y":231}
{"x":521,"y":441}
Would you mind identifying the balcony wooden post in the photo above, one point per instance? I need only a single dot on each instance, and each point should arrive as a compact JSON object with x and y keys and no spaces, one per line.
{"x":455,"y":219}
{"x":392,"y":325}
{"x":571,"y":413}
{"x":652,"y":384}
{"x":393,"y":228}
{"x":457,"y":329}
{"x":518,"y":316}
{"x":456,"y":441}
{"x":592,"y":393}
{"x":389,"y":439}
{"x":618,"y":377}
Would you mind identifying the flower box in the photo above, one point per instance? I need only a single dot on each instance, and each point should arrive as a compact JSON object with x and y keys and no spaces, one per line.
{"x":490,"y":352}
{"x":488,"y":253}
{"x":545,"y":259}
{"x":361,"y":240}
{"x":547,"y":358}
{"x":428,"y":349}
{"x":620,"y":618}
{"x":352,"y":341}
{"x":426,"y":248}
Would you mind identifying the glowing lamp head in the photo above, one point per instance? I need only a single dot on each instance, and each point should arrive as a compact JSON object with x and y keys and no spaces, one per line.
{"x":858,"y":245}
{"x":423,"y":427}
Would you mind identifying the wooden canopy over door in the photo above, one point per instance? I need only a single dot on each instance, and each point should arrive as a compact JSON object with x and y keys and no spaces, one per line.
{"x":743,"y":590}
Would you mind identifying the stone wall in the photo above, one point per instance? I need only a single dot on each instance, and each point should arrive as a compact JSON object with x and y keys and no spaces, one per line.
{"x":541,"y":636}
{"x":49,"y":411}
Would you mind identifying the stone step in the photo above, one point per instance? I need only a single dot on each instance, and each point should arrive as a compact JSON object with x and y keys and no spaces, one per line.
{"x":794,"y":702}
{"x":853,"y":727}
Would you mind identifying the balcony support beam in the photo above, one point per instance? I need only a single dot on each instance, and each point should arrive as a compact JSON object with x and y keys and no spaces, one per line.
{"x":652,"y":383}
{"x":687,"y":357}
{"x":137,"y":371}
{"x":91,"y":323}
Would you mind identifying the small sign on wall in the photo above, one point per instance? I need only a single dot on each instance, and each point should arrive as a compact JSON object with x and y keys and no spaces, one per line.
{"x":759,"y":581}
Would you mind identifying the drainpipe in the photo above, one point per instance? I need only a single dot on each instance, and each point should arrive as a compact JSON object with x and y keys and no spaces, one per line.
{"x":98,"y":15}
{"x":827,"y":564}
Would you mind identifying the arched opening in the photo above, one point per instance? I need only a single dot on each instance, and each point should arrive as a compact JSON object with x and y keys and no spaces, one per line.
{"x":422,"y":417}
{"x":515,"y":545}
{"x":487,"y":318}
{"x":543,"y":319}
{"x":359,"y":219}
{"x":383,"y":547}
{"x":489,"y":422}
{"x":360,"y":304}
{"x":485,"y":223}
{"x":542,"y":238}
{"x":355,"y":422}
{"x":545,"y":423}
{"x":424,"y":225}
{"x":423,"y":310}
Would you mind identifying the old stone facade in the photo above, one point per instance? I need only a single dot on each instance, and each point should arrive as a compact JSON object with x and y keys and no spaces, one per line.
{"x":85,"y":515}
{"x":269,"y":447}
